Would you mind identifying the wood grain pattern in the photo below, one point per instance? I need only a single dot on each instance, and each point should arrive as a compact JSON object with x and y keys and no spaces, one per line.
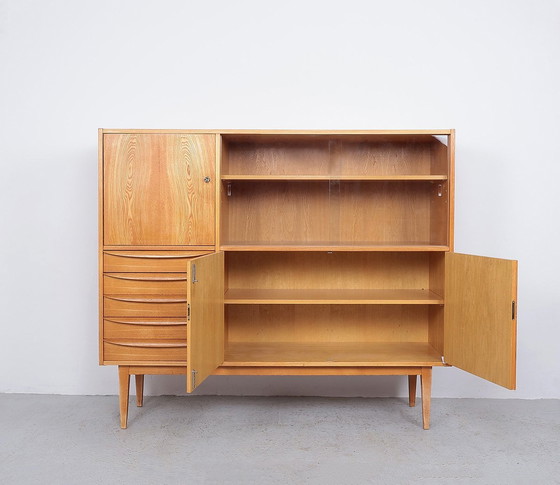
{"x":145,"y":328}
{"x":342,"y":296}
{"x":232,"y":132}
{"x":330,"y":354}
{"x":148,"y":261}
{"x":336,"y":270}
{"x":327,"y":323}
{"x":145,"y":306}
{"x":145,"y":283}
{"x":138,"y":351}
{"x":100,"y":241}
{"x":154,"y":193}
{"x":480,"y":333}
{"x":205,"y":332}
{"x":337,"y":212}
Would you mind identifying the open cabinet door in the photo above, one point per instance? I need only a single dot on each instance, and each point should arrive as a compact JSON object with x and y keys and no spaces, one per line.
{"x":480,"y":317}
{"x":205,"y":328}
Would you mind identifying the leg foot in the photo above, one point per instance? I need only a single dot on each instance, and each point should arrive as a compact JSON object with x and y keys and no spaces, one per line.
{"x":139,"y":390}
{"x":412,"y":391}
{"x":426,"y":384}
{"x":124,"y":388}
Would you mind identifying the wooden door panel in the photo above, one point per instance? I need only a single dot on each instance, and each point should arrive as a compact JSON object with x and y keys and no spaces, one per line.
{"x":480,"y":325}
{"x":154,"y":189}
{"x":205,"y":329}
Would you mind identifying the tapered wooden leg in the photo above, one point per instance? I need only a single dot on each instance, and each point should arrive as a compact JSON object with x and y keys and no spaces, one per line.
{"x":139,"y":389}
{"x":426,"y":384}
{"x":412,"y":390}
{"x":124,"y":389}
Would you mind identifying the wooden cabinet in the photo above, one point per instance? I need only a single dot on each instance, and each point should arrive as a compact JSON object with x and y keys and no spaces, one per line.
{"x":313,"y":253}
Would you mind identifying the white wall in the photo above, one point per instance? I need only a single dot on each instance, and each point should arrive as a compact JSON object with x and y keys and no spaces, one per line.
{"x":490,"y":69}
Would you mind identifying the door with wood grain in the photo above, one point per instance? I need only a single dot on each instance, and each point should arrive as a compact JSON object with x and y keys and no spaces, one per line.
{"x":159,"y":189}
{"x":480,"y":316}
{"x":205,"y":317}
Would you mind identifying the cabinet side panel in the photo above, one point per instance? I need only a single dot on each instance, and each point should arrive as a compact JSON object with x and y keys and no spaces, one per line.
{"x":435,"y":325}
{"x":100,"y":240}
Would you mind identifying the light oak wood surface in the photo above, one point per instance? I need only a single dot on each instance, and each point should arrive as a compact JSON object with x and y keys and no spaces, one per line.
{"x":480,"y":324}
{"x":145,"y":283}
{"x":419,"y":246}
{"x":337,"y":270}
{"x":205,"y":331}
{"x":332,"y":296}
{"x":148,"y":261}
{"x":145,"y":306}
{"x":154,"y":190}
{"x":145,"y":328}
{"x":331,"y":354}
{"x":327,"y":323}
{"x":146,"y":350}
{"x":365,"y":178}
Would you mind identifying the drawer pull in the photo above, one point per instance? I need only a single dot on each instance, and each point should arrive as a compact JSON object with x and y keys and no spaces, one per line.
{"x":148,"y":278}
{"x":147,"y":300}
{"x":151,"y":345}
{"x":151,"y":256}
{"x":144,"y":322}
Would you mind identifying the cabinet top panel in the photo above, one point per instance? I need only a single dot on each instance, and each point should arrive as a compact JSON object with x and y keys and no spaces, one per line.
{"x":285,"y":132}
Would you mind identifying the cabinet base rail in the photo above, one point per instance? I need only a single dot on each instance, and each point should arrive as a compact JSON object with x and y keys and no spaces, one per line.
{"x":425,"y":373}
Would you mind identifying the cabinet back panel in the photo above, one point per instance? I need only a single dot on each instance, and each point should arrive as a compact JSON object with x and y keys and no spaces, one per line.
{"x":321,"y":270}
{"x":334,"y":155}
{"x":327,"y":323}
{"x":339,"y":212}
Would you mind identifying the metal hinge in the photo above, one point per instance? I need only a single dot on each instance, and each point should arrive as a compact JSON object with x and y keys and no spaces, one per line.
{"x":193,"y":374}
{"x":188,"y":312}
{"x":513,"y":310}
{"x":229,"y":190}
{"x":194,"y":280}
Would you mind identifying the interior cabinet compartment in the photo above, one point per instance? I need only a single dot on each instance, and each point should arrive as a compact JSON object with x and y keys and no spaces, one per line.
{"x":339,"y":308}
{"x":317,"y":156}
{"x":335,"y":214}
{"x":328,"y":335}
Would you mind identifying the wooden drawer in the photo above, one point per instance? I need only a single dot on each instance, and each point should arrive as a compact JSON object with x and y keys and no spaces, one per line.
{"x":148,"y":261}
{"x":145,"y":284}
{"x":147,"y":350}
{"x":145,"y":328}
{"x":145,"y":306}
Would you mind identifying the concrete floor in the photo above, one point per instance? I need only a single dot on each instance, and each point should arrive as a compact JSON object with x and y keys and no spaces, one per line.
{"x":263,"y":440}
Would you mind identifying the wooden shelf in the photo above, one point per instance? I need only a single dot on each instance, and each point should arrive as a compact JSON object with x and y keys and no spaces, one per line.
{"x":357,"y":178}
{"x":285,"y":354}
{"x":331,"y":297}
{"x":329,"y":246}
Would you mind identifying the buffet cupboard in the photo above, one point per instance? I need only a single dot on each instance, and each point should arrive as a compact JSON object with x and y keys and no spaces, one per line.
{"x":258,"y":252}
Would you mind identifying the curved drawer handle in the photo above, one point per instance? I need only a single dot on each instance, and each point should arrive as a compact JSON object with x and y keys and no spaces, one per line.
{"x":151,"y":256}
{"x":151,"y":345}
{"x":147,"y":300}
{"x":147,"y":278}
{"x":145,"y":322}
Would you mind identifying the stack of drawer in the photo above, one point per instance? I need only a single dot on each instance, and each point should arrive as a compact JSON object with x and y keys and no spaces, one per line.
{"x":145,"y":306}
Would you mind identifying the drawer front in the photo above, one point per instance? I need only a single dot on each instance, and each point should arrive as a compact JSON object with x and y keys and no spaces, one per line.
{"x":142,"y":351}
{"x":145,"y":284}
{"x":148,"y":261}
{"x":145,"y":328}
{"x":145,"y":306}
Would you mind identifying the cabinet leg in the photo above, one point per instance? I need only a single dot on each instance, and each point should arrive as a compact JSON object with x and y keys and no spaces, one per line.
{"x":139,"y":389}
{"x":412,"y":390}
{"x":426,"y":384}
{"x":124,"y":389}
